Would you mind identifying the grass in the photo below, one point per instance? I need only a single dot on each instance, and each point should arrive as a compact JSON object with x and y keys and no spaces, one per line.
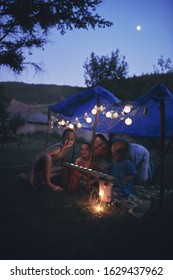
{"x":44,"y":225}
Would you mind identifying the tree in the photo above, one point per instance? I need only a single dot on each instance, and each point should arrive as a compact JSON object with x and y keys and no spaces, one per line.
{"x":98,"y":69}
{"x":165,"y":66}
{"x":25,"y":24}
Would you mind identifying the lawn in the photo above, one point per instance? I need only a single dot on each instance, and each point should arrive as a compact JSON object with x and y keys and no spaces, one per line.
{"x":44,"y":225}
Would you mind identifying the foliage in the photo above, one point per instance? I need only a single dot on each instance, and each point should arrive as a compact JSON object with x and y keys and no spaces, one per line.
{"x":4,"y":101}
{"x":98,"y":69}
{"x":165,"y":65}
{"x":131,"y":88}
{"x":26,"y":24}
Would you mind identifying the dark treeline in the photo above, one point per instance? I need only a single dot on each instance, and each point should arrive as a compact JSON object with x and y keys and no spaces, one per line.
{"x":36,"y":93}
{"x":131,"y":88}
{"x":125,"y":89}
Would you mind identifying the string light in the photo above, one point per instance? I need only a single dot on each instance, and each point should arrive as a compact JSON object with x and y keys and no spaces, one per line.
{"x":71,"y":126}
{"x":127,"y":109}
{"x":115,"y":115}
{"x":128,"y":121}
{"x":94,"y":110}
{"x":108,"y":114}
{"x":88,"y":120}
{"x":79,"y":125}
{"x":51,"y":124}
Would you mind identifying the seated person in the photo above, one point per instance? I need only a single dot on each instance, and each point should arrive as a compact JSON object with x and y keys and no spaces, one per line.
{"x":101,"y":154}
{"x":122,"y":169}
{"x":83,"y":160}
{"x":140,"y":157}
{"x":41,"y":170}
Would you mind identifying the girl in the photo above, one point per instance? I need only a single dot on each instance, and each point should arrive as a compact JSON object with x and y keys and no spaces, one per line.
{"x":41,"y":170}
{"x":83,"y":160}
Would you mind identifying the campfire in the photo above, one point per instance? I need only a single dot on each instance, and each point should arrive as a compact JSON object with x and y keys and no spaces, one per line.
{"x":100,"y":202}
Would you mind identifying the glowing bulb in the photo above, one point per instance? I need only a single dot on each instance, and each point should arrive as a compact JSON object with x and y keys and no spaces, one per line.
{"x":127,"y":109}
{"x":88,"y":120}
{"x":62,"y":122}
{"x":71,"y":126}
{"x":115,"y":115}
{"x":79,"y":125}
{"x":128,"y":121}
{"x":101,"y":108}
{"x":108,"y":114}
{"x":94,"y":111}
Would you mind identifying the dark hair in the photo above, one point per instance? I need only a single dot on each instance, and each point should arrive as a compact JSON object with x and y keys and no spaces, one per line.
{"x":102,"y":137}
{"x":88,"y":144}
{"x":66,"y":132}
{"x":107,"y":142}
{"x":124,"y":141}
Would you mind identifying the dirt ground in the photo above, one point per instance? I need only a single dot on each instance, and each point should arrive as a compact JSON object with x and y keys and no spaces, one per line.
{"x":44,"y":225}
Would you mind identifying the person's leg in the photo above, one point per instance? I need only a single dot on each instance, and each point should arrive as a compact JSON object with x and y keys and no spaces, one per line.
{"x":143,"y":171}
{"x":74,"y":180}
{"x":47,"y":174}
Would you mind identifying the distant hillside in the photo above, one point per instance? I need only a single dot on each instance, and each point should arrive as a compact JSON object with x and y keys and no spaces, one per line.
{"x":37,"y":93}
{"x":126,"y":89}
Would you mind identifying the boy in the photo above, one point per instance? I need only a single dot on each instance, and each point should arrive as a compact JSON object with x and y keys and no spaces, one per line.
{"x":122,"y":169}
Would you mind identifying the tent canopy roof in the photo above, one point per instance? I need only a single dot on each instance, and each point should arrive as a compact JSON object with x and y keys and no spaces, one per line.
{"x":145,"y":115}
{"x":145,"y":112}
{"x":78,"y":107}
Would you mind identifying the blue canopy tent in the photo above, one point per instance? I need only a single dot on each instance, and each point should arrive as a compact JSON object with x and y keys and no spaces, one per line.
{"x":97,"y":109}
{"x":82,"y":109}
{"x":145,"y":115}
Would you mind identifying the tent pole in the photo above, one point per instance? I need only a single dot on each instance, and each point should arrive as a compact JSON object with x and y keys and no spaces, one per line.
{"x":48,"y":128}
{"x":92,"y":141}
{"x":94,"y":129}
{"x":162,"y":152}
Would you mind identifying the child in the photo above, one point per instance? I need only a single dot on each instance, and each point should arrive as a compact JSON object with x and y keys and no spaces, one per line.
{"x":83,"y":160}
{"x":122,"y":169}
{"x":41,"y":170}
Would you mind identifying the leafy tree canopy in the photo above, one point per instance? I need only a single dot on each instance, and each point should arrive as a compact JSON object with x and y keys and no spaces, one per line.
{"x":25,"y":24}
{"x":163,"y":65}
{"x":98,"y":69}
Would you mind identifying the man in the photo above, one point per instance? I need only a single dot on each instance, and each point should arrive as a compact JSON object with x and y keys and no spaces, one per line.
{"x":140,"y":157}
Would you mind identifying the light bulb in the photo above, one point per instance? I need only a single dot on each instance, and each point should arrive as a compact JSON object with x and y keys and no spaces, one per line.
{"x":115,"y":115}
{"x":127,"y":109}
{"x":108,"y":114}
{"x":71,"y":126}
{"x":94,"y":111}
{"x":128,"y":121}
{"x":88,"y":120}
{"x":79,"y":125}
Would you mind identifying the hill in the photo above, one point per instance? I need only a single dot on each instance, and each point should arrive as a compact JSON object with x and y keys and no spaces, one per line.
{"x":37,"y":93}
{"x":125,"y":89}
{"x":131,"y":88}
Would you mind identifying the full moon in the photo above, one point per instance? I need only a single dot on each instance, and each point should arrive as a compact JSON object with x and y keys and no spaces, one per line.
{"x":138,"y":27}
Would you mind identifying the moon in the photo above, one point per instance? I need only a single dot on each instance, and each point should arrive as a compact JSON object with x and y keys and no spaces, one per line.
{"x":138,"y":27}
